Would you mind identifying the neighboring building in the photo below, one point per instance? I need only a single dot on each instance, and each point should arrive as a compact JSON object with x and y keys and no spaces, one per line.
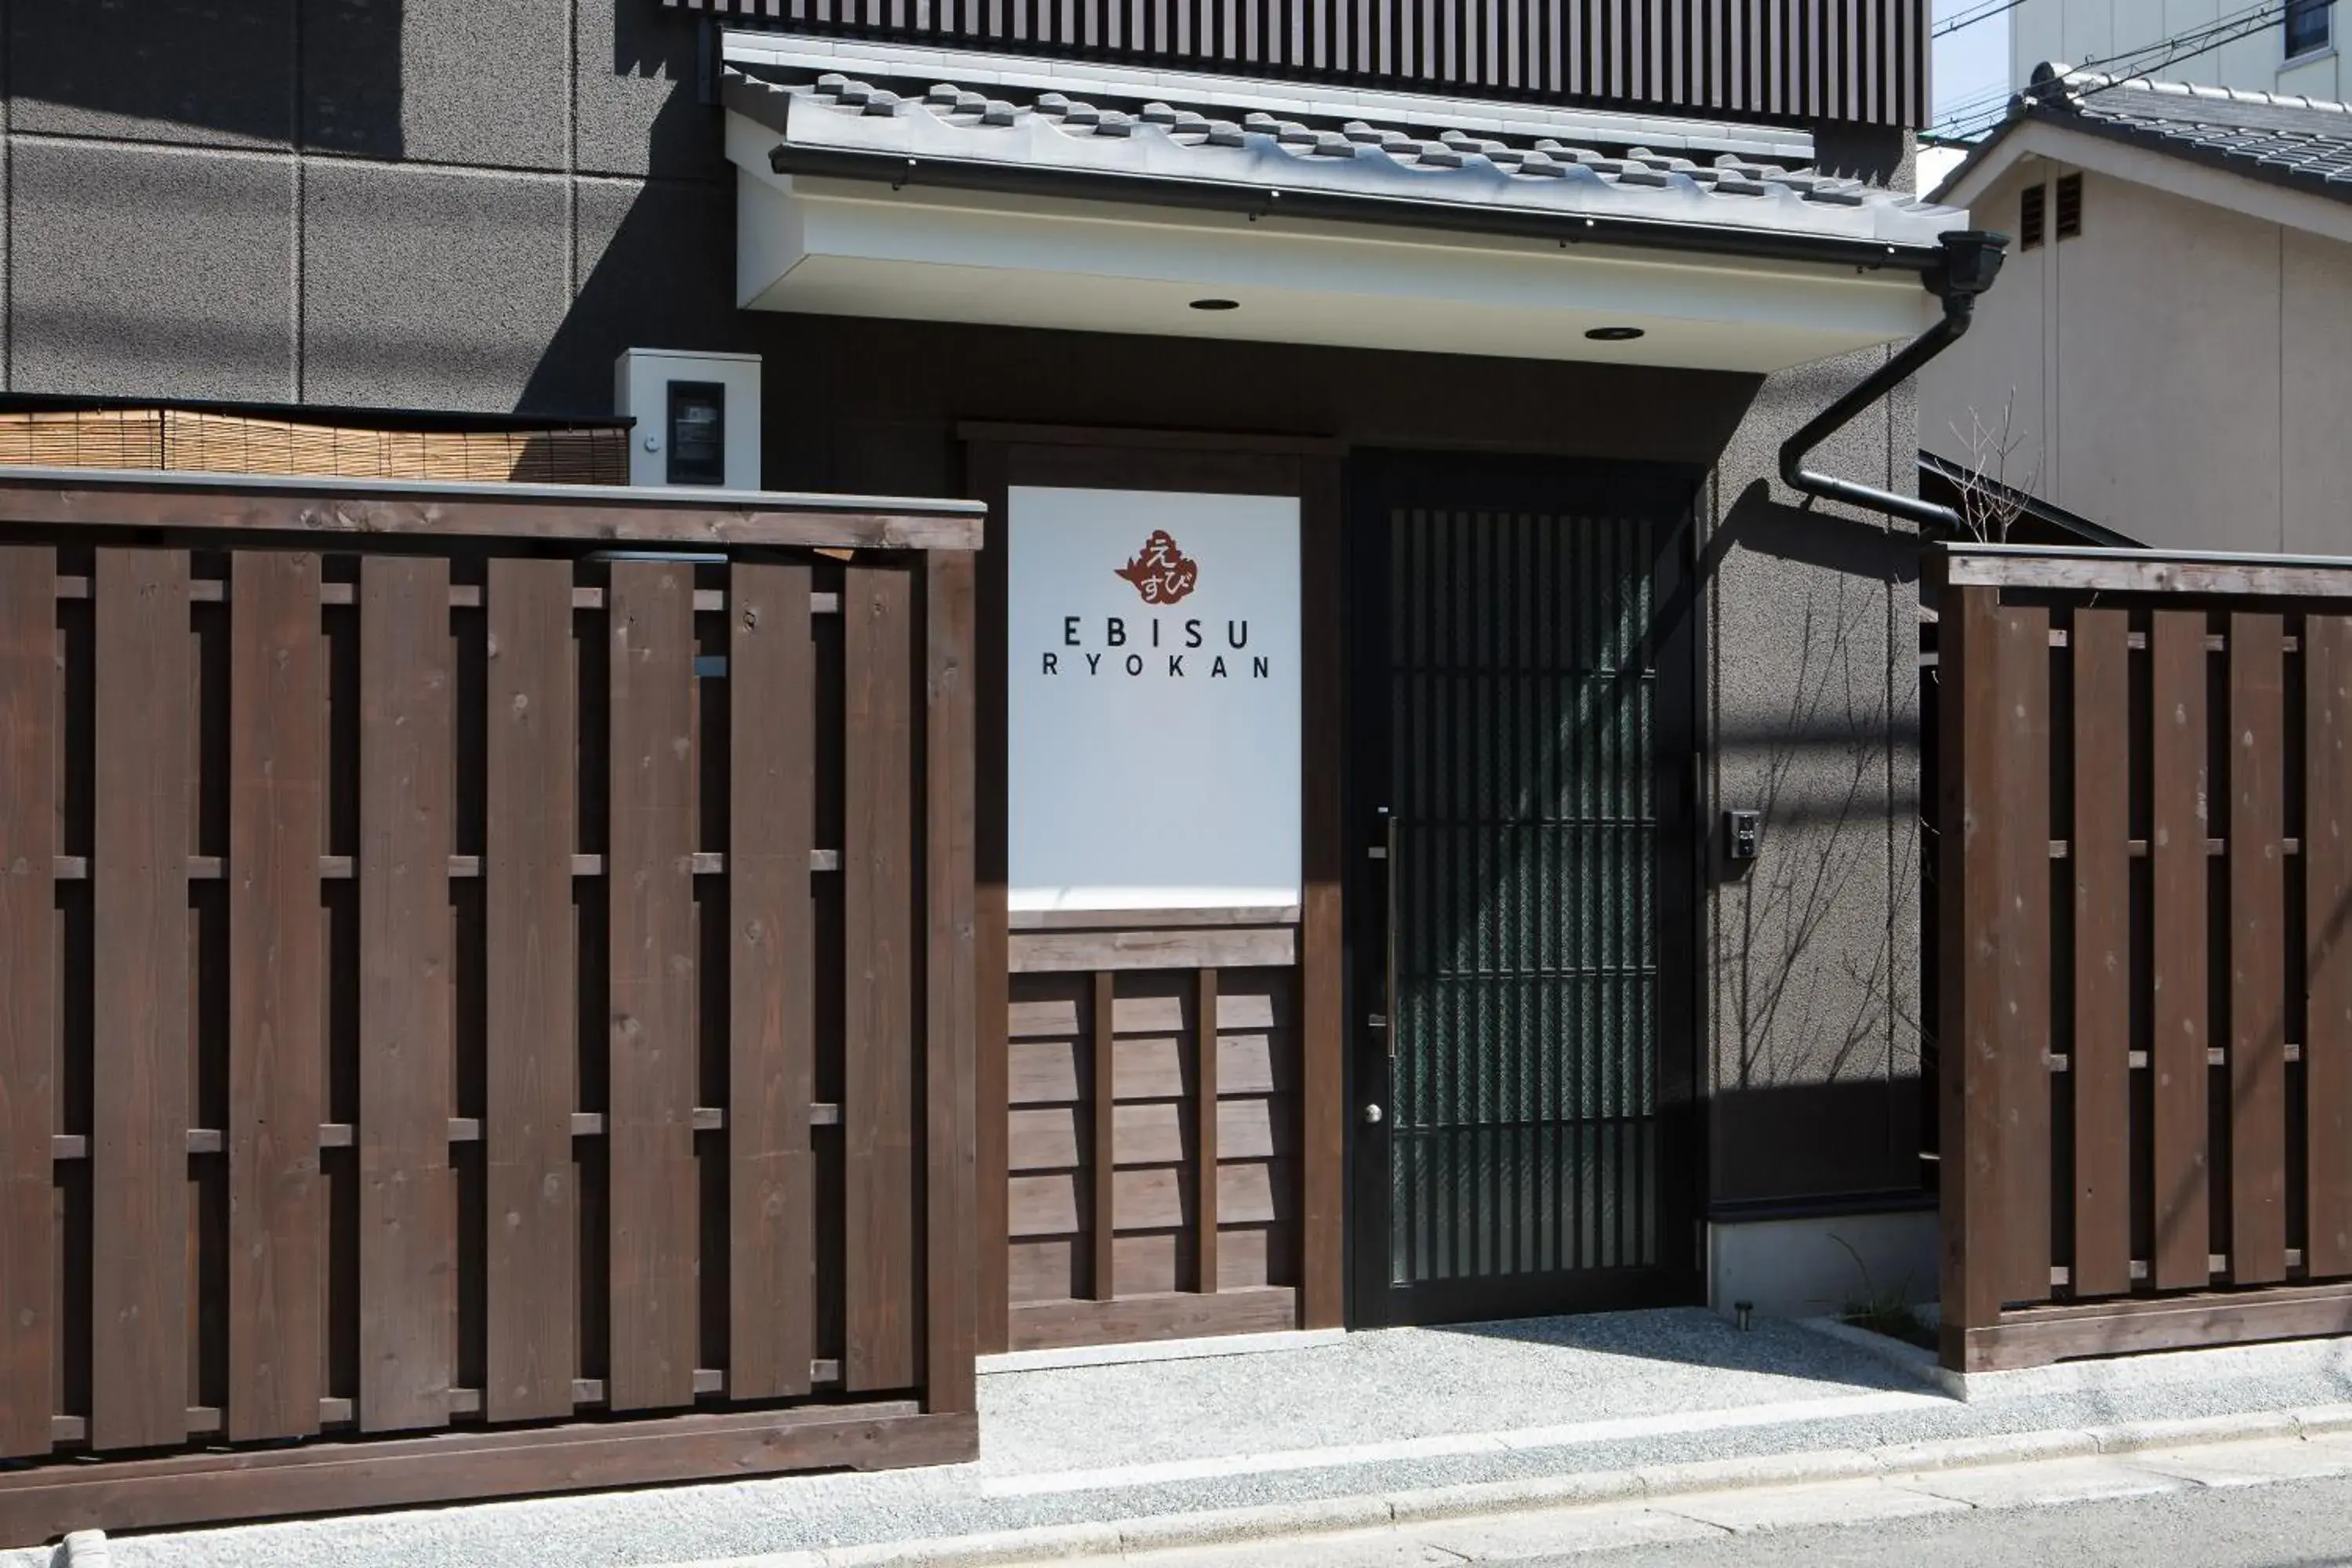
{"x":1505,"y":325}
{"x":2169,"y":354}
{"x":2290,"y":46}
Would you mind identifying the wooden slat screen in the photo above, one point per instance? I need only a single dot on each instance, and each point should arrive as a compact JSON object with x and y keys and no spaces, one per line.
{"x":1859,"y":61}
{"x":2144,"y":827}
{"x":424,"y":998}
{"x":1154,"y":1141}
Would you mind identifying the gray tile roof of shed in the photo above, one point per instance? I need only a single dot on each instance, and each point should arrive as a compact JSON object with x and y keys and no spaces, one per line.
{"x":2302,"y":143}
{"x":1052,"y":131}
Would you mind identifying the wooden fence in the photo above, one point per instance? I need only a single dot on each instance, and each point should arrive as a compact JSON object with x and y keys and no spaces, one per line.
{"x":496,"y":1011}
{"x":2143,"y":810}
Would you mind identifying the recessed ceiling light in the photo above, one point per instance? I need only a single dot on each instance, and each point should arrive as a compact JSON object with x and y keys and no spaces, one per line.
{"x":1216,"y":304}
{"x":1614,"y":334}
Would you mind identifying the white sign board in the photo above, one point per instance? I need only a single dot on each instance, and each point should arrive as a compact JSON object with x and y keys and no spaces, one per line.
{"x":1152,"y":661}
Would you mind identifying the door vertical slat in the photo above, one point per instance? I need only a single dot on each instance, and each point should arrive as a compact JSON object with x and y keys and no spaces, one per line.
{"x":2101,"y":870}
{"x":654,"y":1305}
{"x":2176,"y":854}
{"x":1204,"y":1152}
{"x":877,"y":898}
{"x":771,"y":829}
{"x":28,"y":995}
{"x":139,"y":1058}
{"x":2257,"y":955}
{"x":276,"y":987}
{"x":2328,"y":944}
{"x":531,"y":758}
{"x":1102,"y":1143}
{"x":407,"y":1284}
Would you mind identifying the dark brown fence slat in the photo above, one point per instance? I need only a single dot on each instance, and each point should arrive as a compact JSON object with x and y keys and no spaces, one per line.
{"x":771,"y":828}
{"x":877,"y":897}
{"x":2257,"y":935}
{"x":276,"y":990}
{"x":1102,"y":1143}
{"x":532,"y":761}
{"x":28,"y":995}
{"x":2179,"y":776}
{"x":950,"y":1019}
{"x":1204,"y":1131}
{"x":1969,"y":1092}
{"x":2021,"y":872}
{"x":140,"y":1060}
{"x":654,"y":1306}
{"x":407,"y":1244}
{"x":2327,"y":942}
{"x":2100,"y":862}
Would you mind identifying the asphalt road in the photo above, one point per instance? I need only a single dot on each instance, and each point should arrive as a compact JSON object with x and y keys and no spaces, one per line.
{"x":2287,"y":1524}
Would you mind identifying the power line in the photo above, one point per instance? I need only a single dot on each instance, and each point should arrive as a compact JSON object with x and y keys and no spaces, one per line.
{"x":1974,"y":116}
{"x":1984,"y":12}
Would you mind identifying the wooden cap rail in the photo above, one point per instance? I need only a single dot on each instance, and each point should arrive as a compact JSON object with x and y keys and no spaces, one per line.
{"x":80,"y":498}
{"x":2143,"y":814}
{"x":540,"y":1002}
{"x":2169,"y":572}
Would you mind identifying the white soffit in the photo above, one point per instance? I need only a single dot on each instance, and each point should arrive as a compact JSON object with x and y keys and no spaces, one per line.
{"x":859,"y":247}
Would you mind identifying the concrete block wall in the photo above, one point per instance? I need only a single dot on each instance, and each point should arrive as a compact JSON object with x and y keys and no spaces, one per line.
{"x":451,"y":203}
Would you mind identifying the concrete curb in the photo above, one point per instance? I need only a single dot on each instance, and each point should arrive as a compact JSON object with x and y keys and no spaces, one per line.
{"x":1110,"y":1541}
{"x":84,"y":1549}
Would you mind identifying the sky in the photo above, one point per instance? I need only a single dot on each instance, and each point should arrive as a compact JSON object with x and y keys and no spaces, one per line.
{"x":1969,"y":63}
{"x":1972,"y":61}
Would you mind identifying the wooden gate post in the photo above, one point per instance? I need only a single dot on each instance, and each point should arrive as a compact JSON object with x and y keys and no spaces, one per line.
{"x":1995,"y":885}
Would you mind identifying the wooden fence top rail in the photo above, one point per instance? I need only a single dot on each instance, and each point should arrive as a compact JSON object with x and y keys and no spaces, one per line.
{"x":2141,"y":570}
{"x":709,"y":519}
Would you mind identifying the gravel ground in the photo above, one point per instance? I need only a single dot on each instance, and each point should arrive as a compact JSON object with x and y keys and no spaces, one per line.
{"x":1374,"y":1388}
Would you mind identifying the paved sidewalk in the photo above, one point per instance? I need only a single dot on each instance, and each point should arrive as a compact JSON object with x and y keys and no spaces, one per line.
{"x":1875,"y":1519}
{"x":1509,"y":1416}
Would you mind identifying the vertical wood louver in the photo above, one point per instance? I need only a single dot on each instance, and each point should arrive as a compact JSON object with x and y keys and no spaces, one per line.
{"x":1857,"y":61}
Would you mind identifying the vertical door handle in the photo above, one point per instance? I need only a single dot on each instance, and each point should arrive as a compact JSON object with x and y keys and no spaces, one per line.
{"x":1389,"y":933}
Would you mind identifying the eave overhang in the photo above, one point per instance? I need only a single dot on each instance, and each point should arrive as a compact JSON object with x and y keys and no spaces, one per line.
{"x":942,"y":203}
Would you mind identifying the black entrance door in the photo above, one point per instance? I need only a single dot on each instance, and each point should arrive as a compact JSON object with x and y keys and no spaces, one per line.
{"x":1521,"y":887}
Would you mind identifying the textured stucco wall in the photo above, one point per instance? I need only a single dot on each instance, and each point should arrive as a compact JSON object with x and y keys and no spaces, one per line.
{"x":1812,"y":707}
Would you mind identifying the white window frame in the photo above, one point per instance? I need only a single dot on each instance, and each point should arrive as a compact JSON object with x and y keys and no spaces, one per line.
{"x":2289,"y":54}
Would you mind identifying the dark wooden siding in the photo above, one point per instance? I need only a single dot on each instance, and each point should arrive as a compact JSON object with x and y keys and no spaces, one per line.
{"x":1859,"y":61}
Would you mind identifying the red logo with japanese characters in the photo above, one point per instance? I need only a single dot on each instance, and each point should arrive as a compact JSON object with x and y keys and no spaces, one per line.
{"x":1161,"y":573}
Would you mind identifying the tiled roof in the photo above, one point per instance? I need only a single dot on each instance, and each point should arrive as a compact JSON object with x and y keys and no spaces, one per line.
{"x":1049,"y":131}
{"x":2302,"y":143}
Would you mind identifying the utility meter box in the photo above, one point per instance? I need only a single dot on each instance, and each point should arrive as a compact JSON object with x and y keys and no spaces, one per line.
{"x":697,"y":418}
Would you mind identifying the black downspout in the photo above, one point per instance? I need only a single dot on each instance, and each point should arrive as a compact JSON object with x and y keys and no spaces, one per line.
{"x":1971,"y":261}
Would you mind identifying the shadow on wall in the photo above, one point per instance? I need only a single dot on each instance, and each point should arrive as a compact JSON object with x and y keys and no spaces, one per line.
{"x":1795,"y":1141}
{"x":224,"y":74}
{"x":657,"y":261}
{"x":1818,"y":1038}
